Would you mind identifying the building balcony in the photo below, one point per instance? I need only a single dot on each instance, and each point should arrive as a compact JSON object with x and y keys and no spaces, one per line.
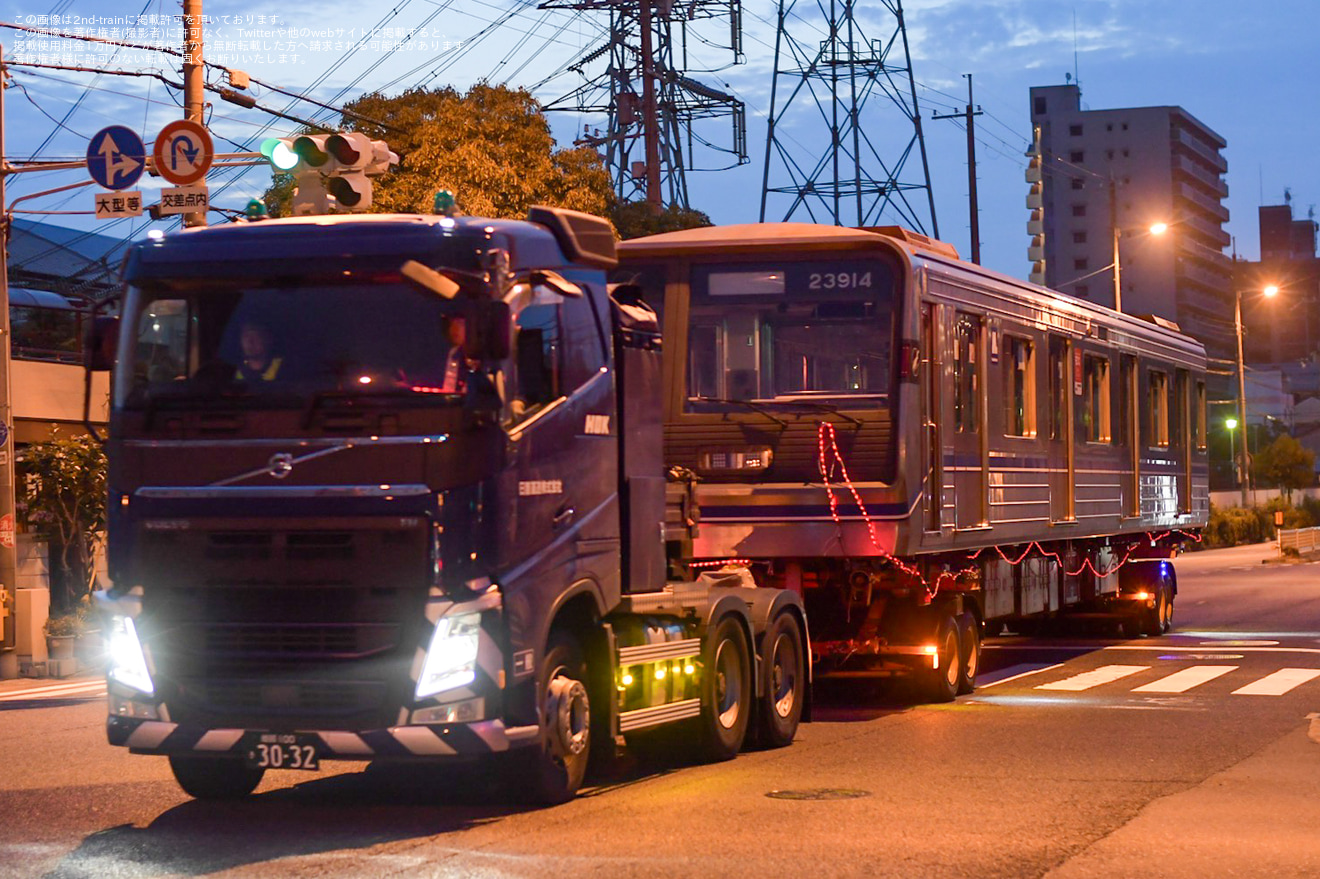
{"x":1033,"y":170}
{"x":1182,"y":137}
{"x":1035,"y":201}
{"x":1207,"y":203}
{"x":1198,"y":273}
{"x":1207,"y":234}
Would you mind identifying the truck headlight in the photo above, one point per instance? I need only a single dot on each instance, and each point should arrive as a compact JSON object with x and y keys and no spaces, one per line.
{"x":451,"y":660}
{"x":127,"y":663}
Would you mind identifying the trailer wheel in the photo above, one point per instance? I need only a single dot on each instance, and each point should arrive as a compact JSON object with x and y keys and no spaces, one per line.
{"x":969,"y":640}
{"x":940,"y":684}
{"x":215,"y":778}
{"x":726,"y":691}
{"x":784,"y":676}
{"x":553,"y":772}
{"x":1152,"y":620}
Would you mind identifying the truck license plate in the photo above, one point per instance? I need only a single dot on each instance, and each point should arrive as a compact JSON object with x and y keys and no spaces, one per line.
{"x":283,"y":751}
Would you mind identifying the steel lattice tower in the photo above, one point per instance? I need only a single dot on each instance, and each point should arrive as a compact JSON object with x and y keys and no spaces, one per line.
{"x":653,"y":108}
{"x":860,"y":171}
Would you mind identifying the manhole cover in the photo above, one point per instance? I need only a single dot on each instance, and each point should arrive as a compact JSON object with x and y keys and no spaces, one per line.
{"x":819,"y":793}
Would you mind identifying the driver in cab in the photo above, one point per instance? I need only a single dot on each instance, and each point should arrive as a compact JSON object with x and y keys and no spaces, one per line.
{"x":259,"y":363}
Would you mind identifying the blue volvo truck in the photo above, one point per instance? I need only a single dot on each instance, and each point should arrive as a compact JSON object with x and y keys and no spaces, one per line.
{"x":391,"y":488}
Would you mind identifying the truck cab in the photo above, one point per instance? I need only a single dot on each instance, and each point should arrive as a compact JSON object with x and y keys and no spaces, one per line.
{"x":390,"y":487}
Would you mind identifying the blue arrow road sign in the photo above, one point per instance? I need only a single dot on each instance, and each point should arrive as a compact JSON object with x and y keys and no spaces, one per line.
{"x":116,"y":157}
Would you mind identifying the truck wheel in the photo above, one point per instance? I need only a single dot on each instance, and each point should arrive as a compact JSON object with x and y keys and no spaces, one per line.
{"x":553,"y":772}
{"x":784,"y":679}
{"x":1152,"y":619}
{"x":215,"y":778}
{"x":969,"y":640}
{"x":940,"y":684}
{"x":726,"y":691}
{"x":1168,"y":612}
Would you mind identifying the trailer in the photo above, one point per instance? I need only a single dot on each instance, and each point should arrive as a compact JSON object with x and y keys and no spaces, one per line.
{"x":392,"y":487}
{"x":924,"y":449}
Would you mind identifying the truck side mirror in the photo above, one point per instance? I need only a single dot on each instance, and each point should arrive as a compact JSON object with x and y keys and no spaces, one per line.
{"x":101,"y":344}
{"x":488,"y":323}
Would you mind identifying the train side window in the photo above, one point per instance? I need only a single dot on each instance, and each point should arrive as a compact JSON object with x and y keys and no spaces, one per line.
{"x":1198,"y":415}
{"x":1096,"y":413}
{"x":1181,"y":405}
{"x":1059,"y":388}
{"x":1019,"y":387}
{"x":966,"y":374}
{"x":1158,"y":409}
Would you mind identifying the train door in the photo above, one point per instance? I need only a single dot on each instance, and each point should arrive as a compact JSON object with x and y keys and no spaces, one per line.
{"x":1128,"y":433}
{"x":1061,"y":450}
{"x":931,"y":417}
{"x":969,"y":420}
{"x":1182,"y":438}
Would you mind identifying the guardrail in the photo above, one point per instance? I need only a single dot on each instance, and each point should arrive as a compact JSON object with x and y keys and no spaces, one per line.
{"x":1301,"y":539}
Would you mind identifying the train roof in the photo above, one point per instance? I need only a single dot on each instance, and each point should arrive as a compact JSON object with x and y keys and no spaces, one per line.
{"x":919,"y":249}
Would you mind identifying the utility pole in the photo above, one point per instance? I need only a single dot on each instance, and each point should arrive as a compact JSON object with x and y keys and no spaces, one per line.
{"x":969,"y":115}
{"x":194,"y":80}
{"x":650,"y":126}
{"x":8,"y":529}
{"x":1242,"y":398}
{"x":1113,"y":221}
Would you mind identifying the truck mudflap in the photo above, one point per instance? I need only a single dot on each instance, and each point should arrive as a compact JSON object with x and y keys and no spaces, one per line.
{"x":475,"y":739}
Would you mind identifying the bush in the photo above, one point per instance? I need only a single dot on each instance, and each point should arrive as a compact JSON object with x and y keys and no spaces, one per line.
{"x":69,"y":625}
{"x":1234,"y":526}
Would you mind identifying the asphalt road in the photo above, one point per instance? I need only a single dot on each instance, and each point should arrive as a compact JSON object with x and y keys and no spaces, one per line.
{"x":1080,"y":755}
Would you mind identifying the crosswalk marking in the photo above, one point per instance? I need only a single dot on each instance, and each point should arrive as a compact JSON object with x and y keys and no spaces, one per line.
{"x":1184,"y":680}
{"x":1279,"y":682}
{"x":56,"y":691}
{"x":1088,"y":679}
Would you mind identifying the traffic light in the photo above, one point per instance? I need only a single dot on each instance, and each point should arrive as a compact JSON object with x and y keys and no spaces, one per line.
{"x":333,"y":171}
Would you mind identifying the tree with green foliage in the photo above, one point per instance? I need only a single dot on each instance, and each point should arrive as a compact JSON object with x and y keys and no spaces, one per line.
{"x":1285,"y":463}
{"x":633,"y":219}
{"x":61,"y":492}
{"x":490,"y":146}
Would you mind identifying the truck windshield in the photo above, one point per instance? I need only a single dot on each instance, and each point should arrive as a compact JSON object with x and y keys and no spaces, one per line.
{"x":790,"y":332}
{"x":265,"y":343}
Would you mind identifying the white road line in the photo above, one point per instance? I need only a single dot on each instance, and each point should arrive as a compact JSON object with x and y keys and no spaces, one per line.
{"x":1184,"y":680}
{"x":1014,"y":672}
{"x":1086,"y":680}
{"x":1279,"y":682}
{"x":55,"y":691}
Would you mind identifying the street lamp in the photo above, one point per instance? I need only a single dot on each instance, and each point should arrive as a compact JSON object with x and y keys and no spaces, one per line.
{"x":1269,"y":291}
{"x":1153,"y":229}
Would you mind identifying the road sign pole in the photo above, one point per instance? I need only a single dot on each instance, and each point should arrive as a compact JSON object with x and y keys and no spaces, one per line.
{"x":8,"y":531}
{"x":194,"y":80}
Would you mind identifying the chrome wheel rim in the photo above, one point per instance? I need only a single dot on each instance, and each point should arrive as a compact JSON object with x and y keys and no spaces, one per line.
{"x":728,"y":684}
{"x":783,"y":675}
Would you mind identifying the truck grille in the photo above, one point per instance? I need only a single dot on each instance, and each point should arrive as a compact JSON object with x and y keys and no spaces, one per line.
{"x":294,"y":641}
{"x":265,"y":697}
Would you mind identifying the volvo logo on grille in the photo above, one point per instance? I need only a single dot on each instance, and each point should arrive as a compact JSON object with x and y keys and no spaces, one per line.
{"x":280,"y":465}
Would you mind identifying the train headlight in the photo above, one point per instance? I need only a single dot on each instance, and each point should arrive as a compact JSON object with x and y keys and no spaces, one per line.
{"x":451,"y":660}
{"x":127,"y":662}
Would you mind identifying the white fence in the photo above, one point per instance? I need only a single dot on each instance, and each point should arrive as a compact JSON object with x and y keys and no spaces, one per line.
{"x":1303,"y":540}
{"x":1255,"y":497}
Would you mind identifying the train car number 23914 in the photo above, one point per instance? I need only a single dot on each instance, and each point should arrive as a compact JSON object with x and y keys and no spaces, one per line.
{"x":839,"y":280}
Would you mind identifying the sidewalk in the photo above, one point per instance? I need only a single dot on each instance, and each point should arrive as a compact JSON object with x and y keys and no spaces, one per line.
{"x":1257,"y":818}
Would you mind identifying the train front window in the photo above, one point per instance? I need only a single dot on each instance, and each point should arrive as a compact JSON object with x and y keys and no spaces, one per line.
{"x":790,"y":332}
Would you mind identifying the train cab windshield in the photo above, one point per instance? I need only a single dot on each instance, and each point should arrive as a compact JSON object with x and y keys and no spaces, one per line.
{"x":274,"y":344}
{"x":790,"y":332}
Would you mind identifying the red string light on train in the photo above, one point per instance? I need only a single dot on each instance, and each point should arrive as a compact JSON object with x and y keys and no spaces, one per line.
{"x":720,"y":563}
{"x":828,"y":457}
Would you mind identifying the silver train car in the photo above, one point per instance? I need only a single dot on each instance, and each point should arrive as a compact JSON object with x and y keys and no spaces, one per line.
{"x":925,"y":449}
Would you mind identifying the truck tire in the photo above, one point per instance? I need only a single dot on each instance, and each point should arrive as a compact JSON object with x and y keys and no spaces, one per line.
{"x":783,"y":682}
{"x":552,"y":772}
{"x":1152,"y":619}
{"x":1168,"y":610}
{"x":969,"y":642}
{"x":940,"y":684}
{"x":726,"y":691}
{"x":215,"y":778}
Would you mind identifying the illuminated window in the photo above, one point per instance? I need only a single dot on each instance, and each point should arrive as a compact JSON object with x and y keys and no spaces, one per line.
{"x":1095,"y":375}
{"x":1158,"y":410}
{"x":1019,"y":387}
